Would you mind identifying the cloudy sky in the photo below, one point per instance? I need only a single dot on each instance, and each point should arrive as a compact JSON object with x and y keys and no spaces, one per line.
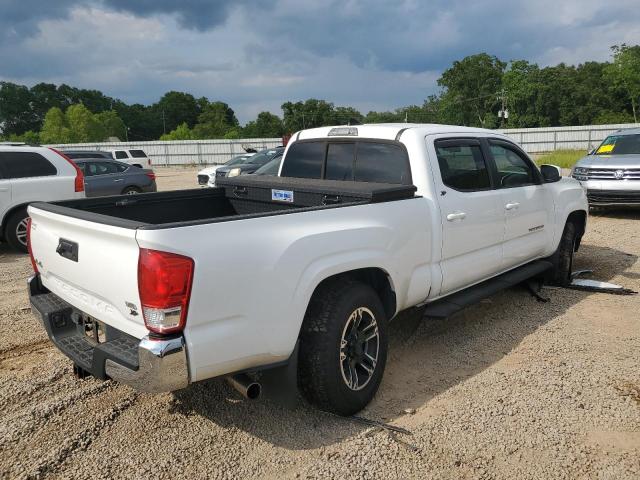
{"x":256,"y":54}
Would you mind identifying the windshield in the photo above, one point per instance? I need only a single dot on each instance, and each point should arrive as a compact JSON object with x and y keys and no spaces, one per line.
{"x":238,"y":160}
{"x":620,"y":145}
{"x":270,"y":168}
{"x":262,"y":157}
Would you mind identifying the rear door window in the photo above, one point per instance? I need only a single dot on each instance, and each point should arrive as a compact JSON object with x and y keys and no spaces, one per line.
{"x":25,"y":164}
{"x":382,"y":162}
{"x":462,"y":165}
{"x":304,"y":160}
{"x":137,"y":154}
{"x":120,"y":154}
{"x":340,"y":158}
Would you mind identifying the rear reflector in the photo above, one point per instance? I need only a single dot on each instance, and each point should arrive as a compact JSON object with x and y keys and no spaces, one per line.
{"x":33,"y":260}
{"x":79,"y":182}
{"x":164,"y":284}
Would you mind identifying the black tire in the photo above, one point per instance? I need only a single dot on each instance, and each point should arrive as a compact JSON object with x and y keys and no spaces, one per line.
{"x":326,"y":362}
{"x":131,"y":191}
{"x":562,"y":259}
{"x":15,"y":230}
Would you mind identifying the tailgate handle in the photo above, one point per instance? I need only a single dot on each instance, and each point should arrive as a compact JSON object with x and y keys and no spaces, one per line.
{"x":237,"y":191}
{"x":331,"y":199}
{"x":67,"y":249}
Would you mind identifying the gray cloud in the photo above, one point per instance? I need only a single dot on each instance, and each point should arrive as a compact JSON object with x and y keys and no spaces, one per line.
{"x":256,"y":54}
{"x":198,"y":14}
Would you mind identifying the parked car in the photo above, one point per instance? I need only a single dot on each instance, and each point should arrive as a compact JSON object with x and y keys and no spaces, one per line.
{"x":611,"y":172}
{"x":109,"y":177}
{"x":251,"y":165}
{"x":271,"y":168}
{"x":364,"y":223}
{"x":207,"y":176}
{"x":29,"y":174}
{"x":74,"y":154}
{"x":132,"y":156}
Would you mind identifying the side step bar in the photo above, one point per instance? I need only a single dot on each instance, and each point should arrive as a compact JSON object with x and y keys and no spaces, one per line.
{"x":451,"y":304}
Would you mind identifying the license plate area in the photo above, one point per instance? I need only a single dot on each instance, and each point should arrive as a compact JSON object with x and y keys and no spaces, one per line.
{"x":94,"y":330}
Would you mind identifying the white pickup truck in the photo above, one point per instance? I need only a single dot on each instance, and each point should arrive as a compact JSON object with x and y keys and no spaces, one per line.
{"x":304,"y":270}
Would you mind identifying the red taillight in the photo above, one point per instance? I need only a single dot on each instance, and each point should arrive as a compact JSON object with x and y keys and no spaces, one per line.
{"x":151,"y":175}
{"x":33,"y":260}
{"x":79,"y":183}
{"x":164,"y":284}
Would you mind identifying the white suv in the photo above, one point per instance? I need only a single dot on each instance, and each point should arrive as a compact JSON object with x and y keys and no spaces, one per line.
{"x":30,"y":174}
{"x":132,"y":156}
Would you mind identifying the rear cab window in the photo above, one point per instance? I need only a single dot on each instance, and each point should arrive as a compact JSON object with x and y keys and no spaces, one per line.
{"x":138,"y":154}
{"x":25,"y":165}
{"x":361,"y":160}
{"x":120,"y":154}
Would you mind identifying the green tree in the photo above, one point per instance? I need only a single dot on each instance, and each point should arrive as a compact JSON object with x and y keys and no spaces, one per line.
{"x":54,"y":128}
{"x":112,"y":124}
{"x":346,"y":115}
{"x":84,"y":125}
{"x":215,"y":121}
{"x":181,"y":132}
{"x":30,"y":137}
{"x":266,"y":125}
{"x":624,"y":73}
{"x":472,"y":86}
{"x":177,"y":108}
{"x":308,"y":114}
{"x":16,"y":115}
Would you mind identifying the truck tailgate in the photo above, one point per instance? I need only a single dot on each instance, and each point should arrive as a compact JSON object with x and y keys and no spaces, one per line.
{"x":91,"y":266}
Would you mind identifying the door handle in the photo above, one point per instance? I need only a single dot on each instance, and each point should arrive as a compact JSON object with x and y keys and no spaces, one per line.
{"x":456,"y":216}
{"x":4,"y":189}
{"x":119,"y":180}
{"x":512,"y":206}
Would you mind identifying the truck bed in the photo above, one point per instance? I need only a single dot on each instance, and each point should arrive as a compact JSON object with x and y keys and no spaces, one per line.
{"x":234,"y":199}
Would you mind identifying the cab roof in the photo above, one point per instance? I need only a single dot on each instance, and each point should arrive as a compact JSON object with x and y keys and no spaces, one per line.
{"x":386,"y":131}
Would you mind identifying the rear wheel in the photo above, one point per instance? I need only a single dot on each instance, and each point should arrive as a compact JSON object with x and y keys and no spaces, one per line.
{"x":131,"y":191}
{"x":16,"y":230}
{"x":562,"y":259}
{"x":343,"y":347}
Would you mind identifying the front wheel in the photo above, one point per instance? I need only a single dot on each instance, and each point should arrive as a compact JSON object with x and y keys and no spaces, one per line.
{"x":343,"y":347}
{"x":562,"y":259}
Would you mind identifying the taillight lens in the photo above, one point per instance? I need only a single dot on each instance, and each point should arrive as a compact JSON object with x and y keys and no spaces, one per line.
{"x":79,"y":182}
{"x":164,"y":284}
{"x":151,"y":175}
{"x":33,"y":260}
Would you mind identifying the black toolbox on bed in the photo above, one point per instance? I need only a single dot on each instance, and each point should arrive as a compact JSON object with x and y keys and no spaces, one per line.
{"x":308,"y":192}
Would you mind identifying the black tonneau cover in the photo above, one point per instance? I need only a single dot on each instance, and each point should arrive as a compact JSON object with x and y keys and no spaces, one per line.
{"x":311,"y":191}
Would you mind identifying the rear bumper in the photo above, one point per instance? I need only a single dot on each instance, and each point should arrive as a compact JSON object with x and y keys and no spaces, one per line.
{"x":149,"y":365}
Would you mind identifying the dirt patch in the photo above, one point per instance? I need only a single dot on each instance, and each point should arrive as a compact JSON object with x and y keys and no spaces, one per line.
{"x":509,"y":388}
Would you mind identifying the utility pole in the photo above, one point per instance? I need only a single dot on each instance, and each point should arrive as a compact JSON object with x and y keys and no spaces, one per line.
{"x":503,"y":114}
{"x":164,"y":126}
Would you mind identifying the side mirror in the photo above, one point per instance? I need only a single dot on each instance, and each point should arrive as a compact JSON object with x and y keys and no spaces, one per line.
{"x":551,"y":173}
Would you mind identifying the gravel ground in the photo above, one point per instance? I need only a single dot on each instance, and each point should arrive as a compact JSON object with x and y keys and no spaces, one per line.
{"x":509,"y":388}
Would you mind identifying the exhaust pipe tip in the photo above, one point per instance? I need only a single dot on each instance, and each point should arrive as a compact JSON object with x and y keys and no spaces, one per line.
{"x":247,"y":387}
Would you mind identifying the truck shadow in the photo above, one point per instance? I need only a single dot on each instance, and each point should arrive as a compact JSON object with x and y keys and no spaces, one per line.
{"x":438,"y":356}
{"x":8,"y":255}
{"x":621,"y":213}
